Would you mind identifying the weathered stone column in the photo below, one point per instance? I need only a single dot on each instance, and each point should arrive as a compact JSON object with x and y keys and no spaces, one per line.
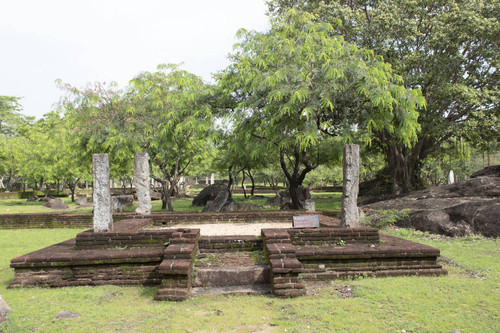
{"x":212,"y":179}
{"x":103,"y":217}
{"x":349,"y":215}
{"x":141,"y":183}
{"x":451,"y":177}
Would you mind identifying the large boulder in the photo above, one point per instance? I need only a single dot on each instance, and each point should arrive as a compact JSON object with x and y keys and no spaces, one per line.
{"x":56,"y":204}
{"x":209,"y":193}
{"x":83,"y":201}
{"x":120,"y":201}
{"x":219,"y":202}
{"x":490,"y":171}
{"x":284,"y":201}
{"x":458,"y":209}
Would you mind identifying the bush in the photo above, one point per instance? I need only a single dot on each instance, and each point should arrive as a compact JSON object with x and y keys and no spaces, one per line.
{"x":382,"y":218}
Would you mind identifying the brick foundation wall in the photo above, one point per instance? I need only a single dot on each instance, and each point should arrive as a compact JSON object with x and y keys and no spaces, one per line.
{"x":332,"y":236}
{"x":61,"y":220}
{"x":49,"y":220}
{"x":88,"y":275}
{"x":160,"y":219}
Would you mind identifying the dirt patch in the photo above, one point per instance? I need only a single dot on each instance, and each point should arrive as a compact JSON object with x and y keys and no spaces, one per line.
{"x":230,"y":229}
{"x":230,"y":259}
{"x":319,"y":287}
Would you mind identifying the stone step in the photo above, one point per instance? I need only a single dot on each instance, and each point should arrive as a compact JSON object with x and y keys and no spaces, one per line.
{"x":259,"y":289}
{"x":218,"y":244}
{"x":231,"y":276}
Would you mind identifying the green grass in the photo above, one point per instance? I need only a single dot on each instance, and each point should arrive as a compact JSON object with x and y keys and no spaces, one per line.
{"x":466,"y":299}
{"x":324,"y":201}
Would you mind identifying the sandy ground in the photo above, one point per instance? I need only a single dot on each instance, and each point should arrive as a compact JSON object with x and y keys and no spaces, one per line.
{"x":227,"y":229}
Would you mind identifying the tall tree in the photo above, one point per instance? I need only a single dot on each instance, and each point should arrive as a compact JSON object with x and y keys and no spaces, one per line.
{"x":175,"y":122}
{"x":10,"y":140}
{"x":297,"y":82}
{"x":448,"y":49}
{"x":99,"y":120}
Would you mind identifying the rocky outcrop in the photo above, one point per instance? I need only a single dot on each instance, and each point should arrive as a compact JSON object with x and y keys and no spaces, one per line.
{"x":208,"y":193}
{"x":491,"y":171}
{"x":284,"y":201}
{"x":56,"y":204}
{"x":219,"y":202}
{"x":120,"y":201}
{"x":458,"y":209}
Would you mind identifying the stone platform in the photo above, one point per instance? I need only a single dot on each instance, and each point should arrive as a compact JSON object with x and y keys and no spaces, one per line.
{"x":136,"y":254}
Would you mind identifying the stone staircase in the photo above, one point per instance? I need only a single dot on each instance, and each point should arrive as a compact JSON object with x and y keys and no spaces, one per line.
{"x":230,"y":265}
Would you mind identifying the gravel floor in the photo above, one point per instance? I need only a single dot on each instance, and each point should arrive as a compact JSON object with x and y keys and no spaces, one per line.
{"x":226,"y":229}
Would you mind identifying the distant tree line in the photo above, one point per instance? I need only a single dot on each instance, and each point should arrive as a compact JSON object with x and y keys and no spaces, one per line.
{"x":415,"y":83}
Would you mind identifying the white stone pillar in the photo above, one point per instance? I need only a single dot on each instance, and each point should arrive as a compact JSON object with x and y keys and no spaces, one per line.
{"x":103,"y":217}
{"x":141,"y":183}
{"x":206,"y":181}
{"x":212,"y":179}
{"x":451,"y":177}
{"x":349,"y":214}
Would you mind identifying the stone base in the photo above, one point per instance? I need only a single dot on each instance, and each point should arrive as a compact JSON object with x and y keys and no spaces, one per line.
{"x":136,"y":255}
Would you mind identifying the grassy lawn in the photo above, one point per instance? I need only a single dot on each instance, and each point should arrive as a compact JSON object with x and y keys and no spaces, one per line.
{"x":324,"y":201}
{"x":467,"y":299}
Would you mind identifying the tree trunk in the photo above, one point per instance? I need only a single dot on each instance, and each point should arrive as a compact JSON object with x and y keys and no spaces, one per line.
{"x":252,"y":192}
{"x":296,"y":177}
{"x":165,"y":194}
{"x":243,"y":183}
{"x":230,"y":183}
{"x":402,"y":168}
{"x":294,"y":195}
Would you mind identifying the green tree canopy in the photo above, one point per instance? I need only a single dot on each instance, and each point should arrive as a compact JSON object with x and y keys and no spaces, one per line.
{"x":448,"y":49}
{"x":175,"y":122}
{"x":298,"y":82}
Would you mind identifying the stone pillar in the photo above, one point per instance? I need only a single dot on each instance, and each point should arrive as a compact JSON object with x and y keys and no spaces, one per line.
{"x":212,"y":179}
{"x":206,"y":181}
{"x":103,"y":217}
{"x":141,"y":183}
{"x":349,"y":215}
{"x":451,"y":177}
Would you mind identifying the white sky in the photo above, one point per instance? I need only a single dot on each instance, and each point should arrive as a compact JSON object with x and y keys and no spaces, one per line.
{"x":112,"y":40}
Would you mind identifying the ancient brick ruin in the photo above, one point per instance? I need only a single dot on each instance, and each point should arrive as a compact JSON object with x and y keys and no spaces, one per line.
{"x":148,"y":249}
{"x":135,"y":253}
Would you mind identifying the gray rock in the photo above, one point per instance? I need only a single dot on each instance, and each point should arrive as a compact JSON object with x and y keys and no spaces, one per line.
{"x":4,"y":309}
{"x":217,"y":204}
{"x":154,"y":195}
{"x":491,"y":171}
{"x":56,"y":204}
{"x":103,"y":217}
{"x":284,"y":201}
{"x":46,"y":199}
{"x":66,"y":315}
{"x":141,"y":183}
{"x":120,"y":201}
{"x":349,"y":214}
{"x":83,"y":201}
{"x":242,"y":206}
{"x":310,"y":205}
{"x":459,"y":209}
{"x":208,"y":193}
{"x":230,"y":206}
{"x":32,"y":199}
